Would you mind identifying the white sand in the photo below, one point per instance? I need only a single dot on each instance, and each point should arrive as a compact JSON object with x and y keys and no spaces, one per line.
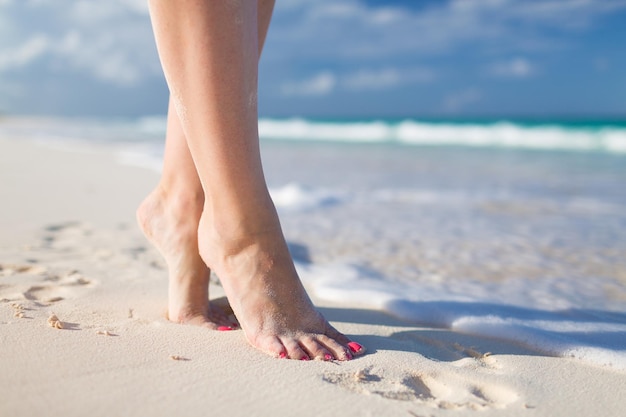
{"x":69,"y":246}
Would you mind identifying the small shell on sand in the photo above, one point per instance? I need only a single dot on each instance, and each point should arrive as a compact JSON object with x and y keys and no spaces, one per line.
{"x":104,"y":332}
{"x":53,"y":321}
{"x":178,"y":358}
{"x":18,"y":310}
{"x":360,"y":375}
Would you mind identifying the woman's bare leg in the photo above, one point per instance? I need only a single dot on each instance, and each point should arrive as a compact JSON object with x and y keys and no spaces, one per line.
{"x":209,"y":52}
{"x":169,"y":217}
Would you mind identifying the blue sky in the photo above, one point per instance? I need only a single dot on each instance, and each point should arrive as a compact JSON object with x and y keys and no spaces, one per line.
{"x":335,"y":58}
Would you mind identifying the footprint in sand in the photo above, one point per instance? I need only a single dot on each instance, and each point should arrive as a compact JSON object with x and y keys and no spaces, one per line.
{"x":65,"y":234}
{"x":36,"y":283}
{"x":447,"y":390}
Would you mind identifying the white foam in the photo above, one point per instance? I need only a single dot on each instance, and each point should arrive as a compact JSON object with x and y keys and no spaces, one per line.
{"x":295,"y":197}
{"x":411,"y":132}
{"x":550,"y":315}
{"x":141,"y":155}
{"x":301,"y":129}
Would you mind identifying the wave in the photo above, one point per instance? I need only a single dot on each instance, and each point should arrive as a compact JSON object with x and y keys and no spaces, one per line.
{"x":549,"y":316}
{"x":606,"y":137}
{"x":610,"y":138}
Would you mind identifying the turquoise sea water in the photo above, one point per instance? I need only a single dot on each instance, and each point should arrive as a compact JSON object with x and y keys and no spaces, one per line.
{"x":548,"y":135}
{"x":510,"y":229}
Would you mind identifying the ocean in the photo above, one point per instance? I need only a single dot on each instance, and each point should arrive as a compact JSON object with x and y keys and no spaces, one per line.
{"x":500,"y":228}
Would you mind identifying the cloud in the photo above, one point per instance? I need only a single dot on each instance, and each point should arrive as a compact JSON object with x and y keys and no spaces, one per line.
{"x":315,"y":48}
{"x":513,"y":68}
{"x":109,"y":41}
{"x":319,"y":85}
{"x":386,"y":78}
{"x":352,"y":29}
{"x":327,"y":82}
{"x":25,"y":53}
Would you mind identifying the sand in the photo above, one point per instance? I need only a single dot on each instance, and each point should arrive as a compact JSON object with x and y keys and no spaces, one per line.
{"x":82,"y":327}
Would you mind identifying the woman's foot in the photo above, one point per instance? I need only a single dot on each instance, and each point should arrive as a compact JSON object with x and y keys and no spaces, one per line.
{"x":170,"y":222}
{"x":265,"y":292}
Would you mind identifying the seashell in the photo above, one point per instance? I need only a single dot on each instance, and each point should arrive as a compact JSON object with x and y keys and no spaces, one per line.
{"x":53,"y":321}
{"x":360,"y":375}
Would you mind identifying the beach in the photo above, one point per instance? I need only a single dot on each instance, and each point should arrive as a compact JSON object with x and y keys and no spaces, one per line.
{"x":481,"y":282}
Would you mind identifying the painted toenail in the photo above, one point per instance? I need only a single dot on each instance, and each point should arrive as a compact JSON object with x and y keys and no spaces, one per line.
{"x":282,"y":355}
{"x":224,"y":328}
{"x":305,"y":358}
{"x":355,"y":347}
{"x":328,"y":357}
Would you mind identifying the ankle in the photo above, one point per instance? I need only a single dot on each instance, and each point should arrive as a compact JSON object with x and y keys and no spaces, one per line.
{"x":232,"y":228}
{"x":181,"y":202}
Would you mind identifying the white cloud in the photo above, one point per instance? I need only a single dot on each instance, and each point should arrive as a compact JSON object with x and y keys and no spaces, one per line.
{"x":110,"y":41}
{"x":352,"y":29}
{"x":361,"y":46}
{"x":327,"y":82}
{"x":319,"y":85}
{"x":25,"y":53}
{"x":385,"y":78}
{"x":513,"y":68}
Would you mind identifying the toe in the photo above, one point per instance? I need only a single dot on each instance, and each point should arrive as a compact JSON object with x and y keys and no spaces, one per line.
{"x":338,"y":350}
{"x":271,"y":345}
{"x":294,"y":350}
{"x":354,"y":348}
{"x":315,"y":349}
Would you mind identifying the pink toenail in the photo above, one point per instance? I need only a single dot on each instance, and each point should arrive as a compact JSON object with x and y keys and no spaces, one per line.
{"x":355,"y":347}
{"x":282,"y":355}
{"x":224,"y":328}
{"x":328,"y":357}
{"x":305,"y":358}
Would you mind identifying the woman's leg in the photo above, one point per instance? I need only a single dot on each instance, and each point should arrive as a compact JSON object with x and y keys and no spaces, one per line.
{"x":209,"y":53}
{"x":169,"y":217}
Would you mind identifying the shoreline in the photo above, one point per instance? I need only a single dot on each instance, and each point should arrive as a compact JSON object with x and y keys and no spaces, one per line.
{"x":69,"y":246}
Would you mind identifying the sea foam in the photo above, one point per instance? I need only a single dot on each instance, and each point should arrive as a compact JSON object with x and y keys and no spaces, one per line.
{"x":549,"y":316}
{"x":498,"y":134}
